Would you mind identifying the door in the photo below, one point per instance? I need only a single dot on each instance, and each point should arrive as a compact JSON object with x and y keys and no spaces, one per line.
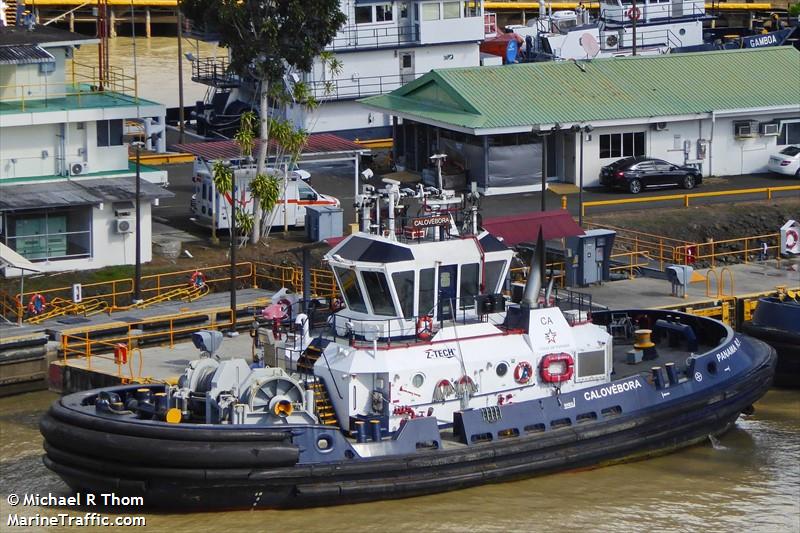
{"x":677,"y":8}
{"x":448,"y":282}
{"x":569,"y":157}
{"x":589,"y":265}
{"x":406,"y":67}
{"x":663,"y":173}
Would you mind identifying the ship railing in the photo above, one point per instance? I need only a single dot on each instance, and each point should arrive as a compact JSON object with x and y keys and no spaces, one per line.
{"x":379,"y":36}
{"x":569,"y":300}
{"x":358,"y":87}
{"x":664,"y":12}
{"x":215,"y":72}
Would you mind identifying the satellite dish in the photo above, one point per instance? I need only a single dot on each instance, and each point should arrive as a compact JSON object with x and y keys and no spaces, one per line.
{"x":589,"y":45}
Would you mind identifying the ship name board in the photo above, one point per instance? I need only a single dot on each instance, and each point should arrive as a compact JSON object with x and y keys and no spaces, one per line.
{"x":446,"y":353}
{"x":426,"y":222}
{"x":729,"y":351}
{"x":611,"y":390}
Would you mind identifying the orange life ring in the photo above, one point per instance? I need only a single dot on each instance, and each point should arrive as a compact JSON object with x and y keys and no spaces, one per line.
{"x":634,"y":13}
{"x":37,"y":304}
{"x":425,"y":327}
{"x":198,"y":279}
{"x":551,"y":377}
{"x":523,"y":372}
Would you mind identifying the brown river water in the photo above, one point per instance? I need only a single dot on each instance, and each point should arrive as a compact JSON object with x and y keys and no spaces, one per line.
{"x":749,"y":480}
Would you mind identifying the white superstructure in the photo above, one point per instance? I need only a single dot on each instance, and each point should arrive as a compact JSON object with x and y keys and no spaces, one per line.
{"x":382,"y":46}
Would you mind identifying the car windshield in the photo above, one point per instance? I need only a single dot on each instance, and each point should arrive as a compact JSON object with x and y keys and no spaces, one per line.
{"x":791,"y":150}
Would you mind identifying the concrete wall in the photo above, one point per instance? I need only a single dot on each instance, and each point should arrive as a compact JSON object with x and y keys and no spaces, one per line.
{"x":39,"y":150}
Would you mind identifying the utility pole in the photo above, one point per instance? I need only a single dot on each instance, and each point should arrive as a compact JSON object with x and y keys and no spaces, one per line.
{"x":137,"y":276}
{"x":180,"y":72}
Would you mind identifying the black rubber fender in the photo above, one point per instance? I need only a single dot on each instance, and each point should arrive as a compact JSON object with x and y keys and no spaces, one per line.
{"x":131,"y":449}
{"x":181,"y":432}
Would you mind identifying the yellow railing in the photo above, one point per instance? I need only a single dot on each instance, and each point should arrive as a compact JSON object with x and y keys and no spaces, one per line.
{"x":520,"y":274}
{"x":687,"y":197}
{"x":84,"y":80}
{"x":655,"y":247}
{"x":740,"y":248}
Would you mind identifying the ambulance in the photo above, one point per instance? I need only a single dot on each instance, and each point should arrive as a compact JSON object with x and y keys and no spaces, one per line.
{"x":208,"y":203}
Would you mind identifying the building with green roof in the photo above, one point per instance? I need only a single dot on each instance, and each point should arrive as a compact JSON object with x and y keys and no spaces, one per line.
{"x":723,"y":111}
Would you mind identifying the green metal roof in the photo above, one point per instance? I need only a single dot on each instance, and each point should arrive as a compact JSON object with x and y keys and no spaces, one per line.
{"x":525,"y":95}
{"x":79,"y":97}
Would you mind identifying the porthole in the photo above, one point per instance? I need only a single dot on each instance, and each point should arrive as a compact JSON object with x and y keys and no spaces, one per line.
{"x":502,"y":369}
{"x":682,"y":31}
{"x":418,"y":380}
{"x":712,"y":367}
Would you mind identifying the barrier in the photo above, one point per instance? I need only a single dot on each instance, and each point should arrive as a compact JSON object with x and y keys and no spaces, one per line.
{"x":687,"y":197}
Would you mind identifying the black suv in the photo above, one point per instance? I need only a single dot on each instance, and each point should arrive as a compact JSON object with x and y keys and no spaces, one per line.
{"x":636,"y":173}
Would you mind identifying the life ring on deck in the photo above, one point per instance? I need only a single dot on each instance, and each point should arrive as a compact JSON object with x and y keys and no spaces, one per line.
{"x":198,"y":279}
{"x":425,"y":328}
{"x":523,"y":373}
{"x":556,"y":358}
{"x":37,"y":304}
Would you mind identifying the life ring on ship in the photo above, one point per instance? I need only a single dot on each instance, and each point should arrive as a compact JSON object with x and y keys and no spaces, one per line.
{"x":523,"y":373}
{"x":557,"y":377}
{"x":425,"y":328}
{"x":37,"y":304}
{"x":198,"y":279}
{"x":634,"y":13}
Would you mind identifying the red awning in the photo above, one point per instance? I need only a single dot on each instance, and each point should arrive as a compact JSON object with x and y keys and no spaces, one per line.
{"x":319,"y":144}
{"x":515,"y":229}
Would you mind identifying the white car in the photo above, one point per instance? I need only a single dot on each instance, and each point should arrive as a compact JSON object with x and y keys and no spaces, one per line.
{"x":787,"y":161}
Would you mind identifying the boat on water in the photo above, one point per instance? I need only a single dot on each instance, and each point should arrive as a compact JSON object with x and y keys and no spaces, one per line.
{"x":426,"y":379}
{"x":776,"y":321}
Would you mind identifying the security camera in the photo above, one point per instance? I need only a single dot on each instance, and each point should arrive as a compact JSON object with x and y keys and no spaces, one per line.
{"x":367,"y":174}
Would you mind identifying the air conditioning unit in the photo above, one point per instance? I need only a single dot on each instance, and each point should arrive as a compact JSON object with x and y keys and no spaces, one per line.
{"x":124,"y":225}
{"x":769,"y":128}
{"x":77,"y":168}
{"x":659,"y":126}
{"x":743,"y":129}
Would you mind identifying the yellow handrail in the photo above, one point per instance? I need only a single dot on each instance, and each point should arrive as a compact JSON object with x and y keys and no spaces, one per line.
{"x":687,"y":197}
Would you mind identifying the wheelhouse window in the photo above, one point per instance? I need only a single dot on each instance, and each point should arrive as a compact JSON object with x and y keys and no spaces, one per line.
{"x":383,"y":13}
{"x":348,"y":281}
{"x":50,"y":235}
{"x":622,"y":145}
{"x":404,"y":287}
{"x":430,"y":11}
{"x":470,"y":278}
{"x":304,"y":192}
{"x":493,"y":270}
{"x":452,"y":10}
{"x":363,"y":14}
{"x":427,"y":288}
{"x":380,"y":295}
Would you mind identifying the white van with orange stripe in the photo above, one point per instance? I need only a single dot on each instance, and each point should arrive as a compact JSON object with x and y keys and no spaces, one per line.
{"x":299,"y":195}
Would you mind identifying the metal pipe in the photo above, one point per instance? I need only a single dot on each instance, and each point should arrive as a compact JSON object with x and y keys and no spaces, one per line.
{"x":137,"y":276}
{"x":181,"y":121}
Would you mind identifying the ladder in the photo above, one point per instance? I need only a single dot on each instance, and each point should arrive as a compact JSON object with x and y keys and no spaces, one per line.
{"x":11,"y":12}
{"x":323,"y":405}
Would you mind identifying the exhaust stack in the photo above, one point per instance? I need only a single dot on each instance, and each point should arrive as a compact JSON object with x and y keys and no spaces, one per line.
{"x":534,"y":285}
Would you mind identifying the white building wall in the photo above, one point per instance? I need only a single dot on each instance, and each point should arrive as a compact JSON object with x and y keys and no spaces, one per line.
{"x":109,"y":248}
{"x":38,"y":150}
{"x":726,"y":155}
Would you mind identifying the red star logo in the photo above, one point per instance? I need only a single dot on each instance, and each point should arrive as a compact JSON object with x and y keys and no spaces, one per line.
{"x":550,"y":336}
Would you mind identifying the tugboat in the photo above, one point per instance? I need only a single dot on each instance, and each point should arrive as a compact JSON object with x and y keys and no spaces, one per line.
{"x":427,"y":379}
{"x":776,"y":321}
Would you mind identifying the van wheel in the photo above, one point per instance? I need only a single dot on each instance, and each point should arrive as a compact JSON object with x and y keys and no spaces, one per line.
{"x":635,"y":186}
{"x":688,"y":181}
